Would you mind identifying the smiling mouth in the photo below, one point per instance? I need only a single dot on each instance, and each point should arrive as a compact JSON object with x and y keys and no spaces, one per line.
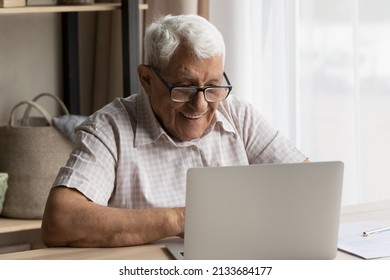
{"x":192,"y":117}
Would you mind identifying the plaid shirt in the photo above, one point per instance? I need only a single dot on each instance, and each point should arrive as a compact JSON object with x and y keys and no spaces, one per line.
{"x":124,"y":158}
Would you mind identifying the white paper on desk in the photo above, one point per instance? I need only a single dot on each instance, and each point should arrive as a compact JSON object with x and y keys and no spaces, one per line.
{"x":351,"y":240}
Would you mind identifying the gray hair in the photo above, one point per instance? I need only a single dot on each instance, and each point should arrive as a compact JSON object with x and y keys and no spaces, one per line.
{"x":164,"y":35}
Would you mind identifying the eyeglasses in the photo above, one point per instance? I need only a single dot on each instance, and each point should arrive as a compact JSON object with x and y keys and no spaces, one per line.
{"x":187,"y":93}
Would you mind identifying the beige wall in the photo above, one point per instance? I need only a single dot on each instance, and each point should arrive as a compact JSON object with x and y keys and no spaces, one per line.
{"x":29,"y":58}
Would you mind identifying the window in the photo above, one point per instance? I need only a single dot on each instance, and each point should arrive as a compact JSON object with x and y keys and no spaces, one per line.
{"x":324,"y":72}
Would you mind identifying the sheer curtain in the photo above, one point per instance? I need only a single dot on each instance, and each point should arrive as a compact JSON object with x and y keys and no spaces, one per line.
{"x":320,"y":72}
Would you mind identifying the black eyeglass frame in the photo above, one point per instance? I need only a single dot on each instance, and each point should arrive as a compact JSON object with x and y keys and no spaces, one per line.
{"x":171,"y":87}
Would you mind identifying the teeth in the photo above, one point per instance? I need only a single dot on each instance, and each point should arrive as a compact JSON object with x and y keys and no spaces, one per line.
{"x":192,"y":116}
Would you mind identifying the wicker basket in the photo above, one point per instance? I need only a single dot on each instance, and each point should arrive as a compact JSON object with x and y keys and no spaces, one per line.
{"x":32,"y":156}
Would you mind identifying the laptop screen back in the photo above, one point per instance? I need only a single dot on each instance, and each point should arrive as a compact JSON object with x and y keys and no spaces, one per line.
{"x":269,"y":211}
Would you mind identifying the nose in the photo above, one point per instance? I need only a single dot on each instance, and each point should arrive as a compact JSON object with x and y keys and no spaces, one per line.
{"x":199,"y":101}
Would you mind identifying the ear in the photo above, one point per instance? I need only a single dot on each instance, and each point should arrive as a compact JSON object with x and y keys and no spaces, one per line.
{"x":145,"y":75}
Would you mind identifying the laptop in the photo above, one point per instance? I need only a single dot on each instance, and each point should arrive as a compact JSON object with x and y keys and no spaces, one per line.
{"x":267,"y":211}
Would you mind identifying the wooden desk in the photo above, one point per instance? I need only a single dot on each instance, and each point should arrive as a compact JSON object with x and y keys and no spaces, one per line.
{"x":379,"y":211}
{"x":19,"y":235}
{"x":145,"y":252}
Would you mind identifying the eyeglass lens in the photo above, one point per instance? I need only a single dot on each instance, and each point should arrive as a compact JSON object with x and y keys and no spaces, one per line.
{"x":184,"y":94}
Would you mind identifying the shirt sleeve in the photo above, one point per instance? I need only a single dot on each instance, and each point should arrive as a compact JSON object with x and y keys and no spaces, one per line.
{"x":91,"y":166}
{"x":263,"y":143}
{"x":279,"y":150}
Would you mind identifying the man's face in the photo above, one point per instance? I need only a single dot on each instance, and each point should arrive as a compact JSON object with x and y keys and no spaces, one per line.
{"x":189,"y":120}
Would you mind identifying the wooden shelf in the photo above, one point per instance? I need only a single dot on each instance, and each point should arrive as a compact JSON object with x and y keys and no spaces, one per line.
{"x":65,"y":8}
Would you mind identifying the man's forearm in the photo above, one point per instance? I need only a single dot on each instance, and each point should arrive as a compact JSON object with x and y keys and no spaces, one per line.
{"x":81,"y":223}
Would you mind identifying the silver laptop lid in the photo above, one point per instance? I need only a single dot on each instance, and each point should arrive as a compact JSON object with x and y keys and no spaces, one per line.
{"x":272,"y":211}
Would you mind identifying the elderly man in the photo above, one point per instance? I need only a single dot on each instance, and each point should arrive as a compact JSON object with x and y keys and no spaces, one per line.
{"x":124,"y":184}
